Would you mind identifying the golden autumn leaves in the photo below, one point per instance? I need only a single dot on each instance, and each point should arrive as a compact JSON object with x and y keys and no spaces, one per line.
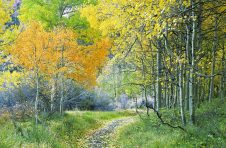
{"x":4,"y":14}
{"x":54,"y":52}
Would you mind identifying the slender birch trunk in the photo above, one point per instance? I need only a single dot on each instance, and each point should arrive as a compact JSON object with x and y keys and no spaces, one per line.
{"x":213,"y":62}
{"x":62,"y":83}
{"x":37,"y":96}
{"x":52,"y":95}
{"x":187,"y":72}
{"x":158,"y":87}
{"x":191,"y":76}
{"x":181,"y":94}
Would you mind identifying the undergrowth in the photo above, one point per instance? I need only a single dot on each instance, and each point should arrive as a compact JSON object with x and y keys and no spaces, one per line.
{"x":54,"y":131}
{"x":208,"y":131}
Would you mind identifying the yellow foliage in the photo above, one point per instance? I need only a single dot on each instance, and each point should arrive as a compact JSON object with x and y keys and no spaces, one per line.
{"x":5,"y":9}
{"x":9,"y":80}
{"x":5,"y":12}
{"x":57,"y":52}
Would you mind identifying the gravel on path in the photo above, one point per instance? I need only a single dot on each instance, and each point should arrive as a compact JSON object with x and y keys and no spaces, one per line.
{"x":101,"y":137}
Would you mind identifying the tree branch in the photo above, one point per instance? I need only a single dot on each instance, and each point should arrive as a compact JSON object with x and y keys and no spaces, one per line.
{"x":166,"y":123}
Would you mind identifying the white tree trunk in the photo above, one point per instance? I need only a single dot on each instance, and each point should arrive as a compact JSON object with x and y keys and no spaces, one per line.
{"x":181,"y":94}
{"x":191,"y":99}
{"x":62,"y":83}
{"x":61,"y":97}
{"x":52,"y":95}
{"x":37,"y":97}
{"x":213,"y":62}
{"x":158,"y":84}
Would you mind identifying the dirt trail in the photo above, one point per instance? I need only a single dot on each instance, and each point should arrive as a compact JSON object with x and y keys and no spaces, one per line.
{"x":101,"y":137}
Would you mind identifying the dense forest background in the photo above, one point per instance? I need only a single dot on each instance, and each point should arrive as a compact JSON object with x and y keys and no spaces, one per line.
{"x":161,"y":56}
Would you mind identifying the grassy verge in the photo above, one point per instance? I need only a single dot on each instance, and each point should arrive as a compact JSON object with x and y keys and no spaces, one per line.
{"x":209,"y":131}
{"x":56,"y":131}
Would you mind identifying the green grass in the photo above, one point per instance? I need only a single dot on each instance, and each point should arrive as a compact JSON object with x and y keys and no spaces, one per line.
{"x":209,"y":131}
{"x":70,"y":130}
{"x":56,"y":131}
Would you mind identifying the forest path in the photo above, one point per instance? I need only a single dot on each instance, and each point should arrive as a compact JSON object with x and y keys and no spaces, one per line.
{"x":101,"y":137}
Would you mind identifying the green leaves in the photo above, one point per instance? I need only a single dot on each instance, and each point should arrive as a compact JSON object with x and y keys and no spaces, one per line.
{"x":53,"y":13}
